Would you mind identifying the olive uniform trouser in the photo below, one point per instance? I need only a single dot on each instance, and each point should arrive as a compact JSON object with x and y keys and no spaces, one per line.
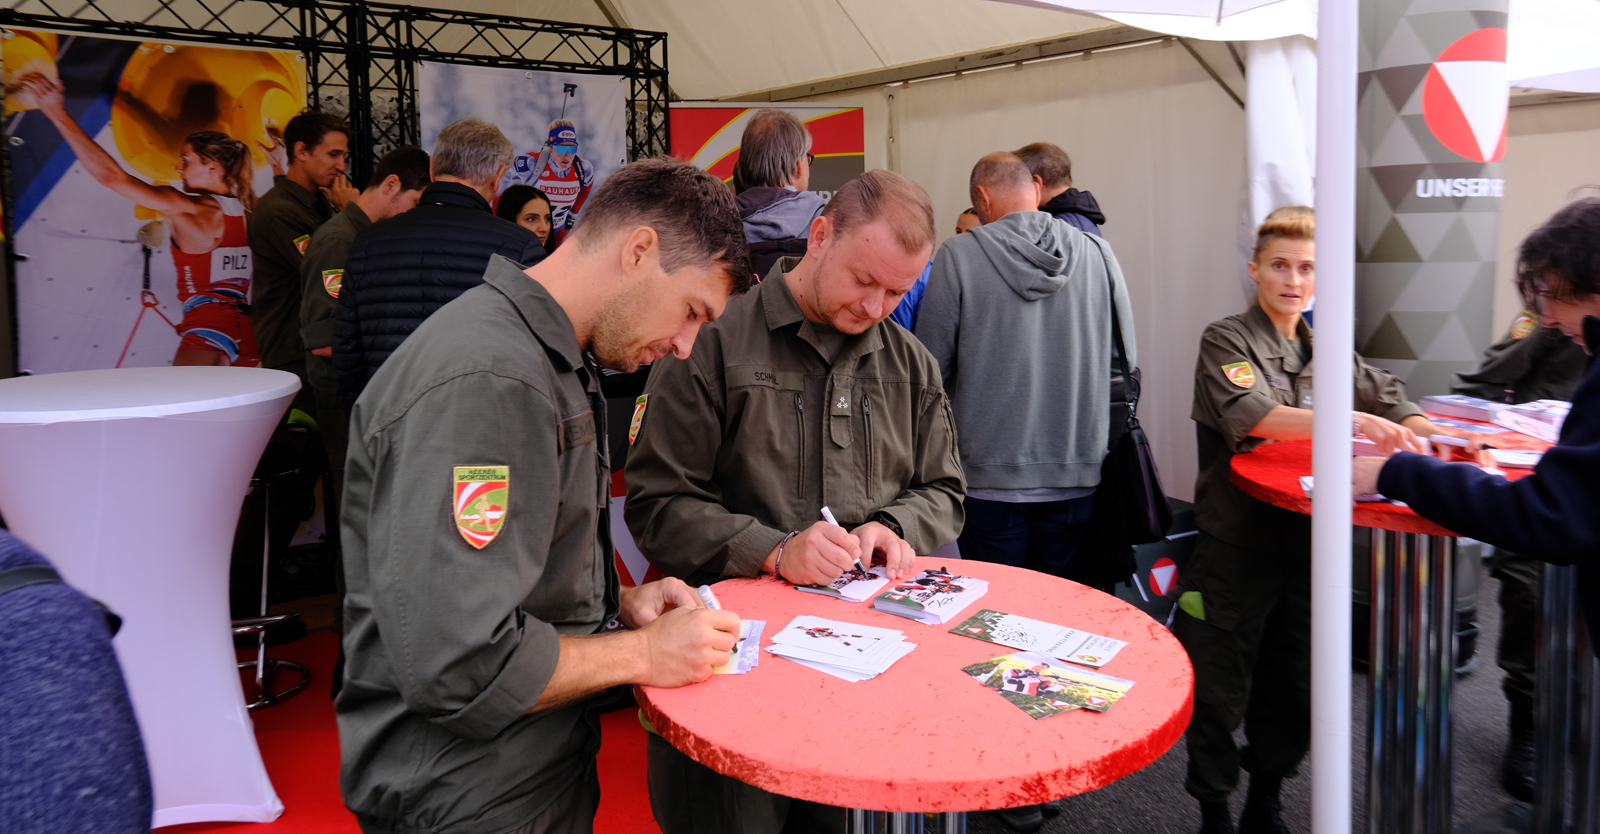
{"x":689,"y":798}
{"x":1245,"y":618}
{"x":1519,"y":599}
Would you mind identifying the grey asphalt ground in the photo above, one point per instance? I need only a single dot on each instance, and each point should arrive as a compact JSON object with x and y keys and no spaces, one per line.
{"x":1153,"y":800}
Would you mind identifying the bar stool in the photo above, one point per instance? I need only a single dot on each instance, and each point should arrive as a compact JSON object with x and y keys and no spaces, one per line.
{"x":267,"y":668}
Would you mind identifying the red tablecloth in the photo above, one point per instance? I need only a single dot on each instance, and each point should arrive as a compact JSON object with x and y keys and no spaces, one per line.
{"x":1272,"y":474}
{"x":924,"y":736}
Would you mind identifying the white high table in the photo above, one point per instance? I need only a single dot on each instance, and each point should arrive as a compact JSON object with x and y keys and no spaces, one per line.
{"x":131,"y":481}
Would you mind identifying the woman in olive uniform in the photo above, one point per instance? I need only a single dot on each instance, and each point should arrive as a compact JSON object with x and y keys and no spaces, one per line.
{"x":1245,"y":602}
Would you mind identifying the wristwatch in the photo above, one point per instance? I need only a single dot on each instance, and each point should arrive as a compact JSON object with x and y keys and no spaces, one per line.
{"x":888,"y":521}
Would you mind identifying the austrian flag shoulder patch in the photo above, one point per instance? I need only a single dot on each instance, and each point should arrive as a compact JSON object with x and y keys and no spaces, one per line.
{"x":300,"y":243}
{"x":1240,"y":374}
{"x":638,"y":417}
{"x":481,"y":494}
{"x":332,"y":279}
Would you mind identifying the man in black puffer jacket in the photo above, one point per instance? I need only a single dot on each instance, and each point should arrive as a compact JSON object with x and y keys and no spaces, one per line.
{"x":403,"y":269}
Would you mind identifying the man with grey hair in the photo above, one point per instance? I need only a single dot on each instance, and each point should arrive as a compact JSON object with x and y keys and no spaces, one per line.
{"x":1031,"y":451}
{"x":403,"y":269}
{"x":771,"y":175}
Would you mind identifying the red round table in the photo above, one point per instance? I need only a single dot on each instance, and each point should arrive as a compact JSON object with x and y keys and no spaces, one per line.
{"x":923,"y":736}
{"x":1411,"y":650}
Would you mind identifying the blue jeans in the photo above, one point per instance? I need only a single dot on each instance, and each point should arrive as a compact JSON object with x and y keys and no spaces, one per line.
{"x":1042,"y":536}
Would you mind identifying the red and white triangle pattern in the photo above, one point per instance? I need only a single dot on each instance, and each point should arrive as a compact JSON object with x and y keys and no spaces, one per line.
{"x":1464,"y":96}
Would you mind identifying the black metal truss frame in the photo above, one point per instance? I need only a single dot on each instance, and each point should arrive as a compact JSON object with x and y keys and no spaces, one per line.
{"x":368,"y":53}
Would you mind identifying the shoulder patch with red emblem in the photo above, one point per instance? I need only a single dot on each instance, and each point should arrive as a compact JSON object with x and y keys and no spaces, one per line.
{"x":332,"y":279}
{"x":1240,"y":374}
{"x":1523,"y":326}
{"x":480,"y":498}
{"x":300,"y":243}
{"x":638,"y":417}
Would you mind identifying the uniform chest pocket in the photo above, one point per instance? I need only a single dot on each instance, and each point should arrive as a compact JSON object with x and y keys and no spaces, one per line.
{"x":766,"y":445}
{"x":887,"y":448}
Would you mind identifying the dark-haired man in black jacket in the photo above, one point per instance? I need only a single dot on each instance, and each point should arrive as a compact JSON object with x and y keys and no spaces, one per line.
{"x":1552,"y":514}
{"x":403,"y":269}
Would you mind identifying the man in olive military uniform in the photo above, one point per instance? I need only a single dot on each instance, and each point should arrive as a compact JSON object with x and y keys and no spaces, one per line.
{"x":317,"y":145}
{"x":477,"y":549}
{"x":799,"y":397}
{"x":396,"y":183}
{"x":1530,"y":363}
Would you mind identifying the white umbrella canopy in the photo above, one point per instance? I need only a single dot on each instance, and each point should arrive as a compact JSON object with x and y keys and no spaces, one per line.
{"x":1214,"y":20}
{"x":1551,"y":45}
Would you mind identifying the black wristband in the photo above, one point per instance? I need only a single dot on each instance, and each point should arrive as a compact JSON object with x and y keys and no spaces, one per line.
{"x":888,"y":521}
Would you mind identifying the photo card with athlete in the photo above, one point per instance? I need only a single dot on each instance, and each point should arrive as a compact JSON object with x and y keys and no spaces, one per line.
{"x":1043,"y":686}
{"x":847,"y":650}
{"x":934,"y":596}
{"x":744,"y":656}
{"x":852,"y":585}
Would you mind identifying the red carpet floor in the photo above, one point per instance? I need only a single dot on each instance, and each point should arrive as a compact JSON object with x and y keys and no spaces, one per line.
{"x":300,"y":746}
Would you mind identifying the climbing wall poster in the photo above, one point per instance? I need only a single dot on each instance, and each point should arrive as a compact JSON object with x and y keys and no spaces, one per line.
{"x":568,"y":131}
{"x":133,"y":168}
{"x":708,"y":135}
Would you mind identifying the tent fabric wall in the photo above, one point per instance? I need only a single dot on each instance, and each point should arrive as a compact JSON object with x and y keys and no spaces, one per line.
{"x":1550,"y":161}
{"x":1159,"y":144}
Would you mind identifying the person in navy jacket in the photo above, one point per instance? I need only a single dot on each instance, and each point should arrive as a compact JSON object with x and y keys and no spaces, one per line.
{"x":1555,"y":512}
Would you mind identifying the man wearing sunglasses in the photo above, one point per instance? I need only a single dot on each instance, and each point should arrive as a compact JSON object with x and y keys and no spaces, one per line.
{"x":564,"y":176}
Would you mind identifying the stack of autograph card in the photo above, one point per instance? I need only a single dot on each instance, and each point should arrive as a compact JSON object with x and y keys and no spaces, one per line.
{"x":851,"y":586}
{"x":934,"y":597}
{"x":1042,"y":686}
{"x":1039,"y":636}
{"x":844,"y":650}
{"x":745,"y":657}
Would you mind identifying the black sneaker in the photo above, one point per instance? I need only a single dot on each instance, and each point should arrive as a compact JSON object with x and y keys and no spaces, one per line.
{"x":1517,"y":768}
{"x":1263,"y":813}
{"x":1027,"y":818}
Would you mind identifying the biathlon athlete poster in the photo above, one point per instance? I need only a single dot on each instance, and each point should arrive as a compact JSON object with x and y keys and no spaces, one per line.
{"x":134,"y":166}
{"x":569,"y":131}
{"x":707,"y":136}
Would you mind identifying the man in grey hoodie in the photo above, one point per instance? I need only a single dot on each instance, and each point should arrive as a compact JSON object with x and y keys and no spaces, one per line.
{"x":771,"y":176}
{"x":1018,"y":315}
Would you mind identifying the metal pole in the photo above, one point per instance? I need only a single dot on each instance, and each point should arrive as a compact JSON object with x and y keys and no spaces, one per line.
{"x":1441,"y":776}
{"x":1337,"y":49}
{"x":1408,"y":730}
{"x":1551,"y":689}
{"x":1380,"y":708}
{"x":1586,"y":673}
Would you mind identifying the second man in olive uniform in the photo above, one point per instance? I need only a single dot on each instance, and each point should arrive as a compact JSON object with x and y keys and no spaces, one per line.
{"x":799,"y":397}
{"x":396,"y":183}
{"x":1244,"y":604}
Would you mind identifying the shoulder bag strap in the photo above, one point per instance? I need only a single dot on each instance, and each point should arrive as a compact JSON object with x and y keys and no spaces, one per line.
{"x":1130,"y":386}
{"x":13,"y":579}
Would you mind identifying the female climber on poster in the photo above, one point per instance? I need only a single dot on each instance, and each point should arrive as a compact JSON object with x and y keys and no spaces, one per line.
{"x":209,"y":248}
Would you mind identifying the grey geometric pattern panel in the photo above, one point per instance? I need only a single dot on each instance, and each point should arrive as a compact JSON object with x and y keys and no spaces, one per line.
{"x":1427,"y":215}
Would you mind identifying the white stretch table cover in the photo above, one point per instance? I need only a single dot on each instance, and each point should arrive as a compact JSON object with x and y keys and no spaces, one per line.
{"x":131,"y":481}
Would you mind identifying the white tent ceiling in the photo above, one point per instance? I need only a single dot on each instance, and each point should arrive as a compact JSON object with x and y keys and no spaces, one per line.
{"x":721,"y":48}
